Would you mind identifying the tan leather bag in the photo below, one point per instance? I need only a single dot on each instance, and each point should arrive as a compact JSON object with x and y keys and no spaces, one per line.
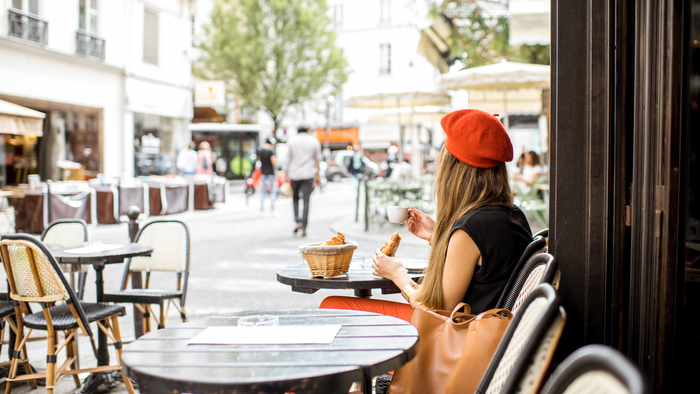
{"x":454,"y":349}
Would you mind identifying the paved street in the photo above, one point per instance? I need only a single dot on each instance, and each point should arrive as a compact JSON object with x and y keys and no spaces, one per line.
{"x":236,"y":251}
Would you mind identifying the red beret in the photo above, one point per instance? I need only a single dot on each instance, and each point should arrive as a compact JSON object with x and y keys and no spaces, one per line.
{"x":477,"y":138}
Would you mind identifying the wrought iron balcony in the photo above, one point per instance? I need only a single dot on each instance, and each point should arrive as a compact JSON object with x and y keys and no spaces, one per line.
{"x":89,"y":45}
{"x":27,"y":27}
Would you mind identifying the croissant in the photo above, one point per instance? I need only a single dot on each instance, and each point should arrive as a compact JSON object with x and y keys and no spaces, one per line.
{"x":336,"y":240}
{"x":391,"y":246}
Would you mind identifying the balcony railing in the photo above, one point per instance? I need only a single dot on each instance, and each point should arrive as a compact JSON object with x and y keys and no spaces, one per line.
{"x":27,"y":27}
{"x":89,"y":45}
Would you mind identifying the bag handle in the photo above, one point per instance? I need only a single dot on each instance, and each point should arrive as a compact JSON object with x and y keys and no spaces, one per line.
{"x":467,"y":311}
{"x":498,"y":312}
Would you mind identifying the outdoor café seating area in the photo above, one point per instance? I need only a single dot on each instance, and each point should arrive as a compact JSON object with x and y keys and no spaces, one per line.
{"x":106,"y":200}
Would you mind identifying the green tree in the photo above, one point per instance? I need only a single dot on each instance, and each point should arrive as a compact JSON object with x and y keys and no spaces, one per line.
{"x":479,"y":39}
{"x":273,"y":53}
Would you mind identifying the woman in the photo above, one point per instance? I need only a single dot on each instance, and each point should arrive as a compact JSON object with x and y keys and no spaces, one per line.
{"x":205,"y":160}
{"x":478,"y":235}
{"x":529,"y":173}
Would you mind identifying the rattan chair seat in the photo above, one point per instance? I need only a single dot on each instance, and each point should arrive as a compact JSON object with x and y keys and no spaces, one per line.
{"x":142,"y":296}
{"x":6,"y":308}
{"x":63,"y":319}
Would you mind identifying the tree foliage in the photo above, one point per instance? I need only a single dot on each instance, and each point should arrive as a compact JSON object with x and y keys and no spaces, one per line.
{"x":273,"y":53}
{"x":479,"y":39}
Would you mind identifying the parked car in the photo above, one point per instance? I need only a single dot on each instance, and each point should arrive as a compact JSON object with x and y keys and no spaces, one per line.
{"x":338,"y":167}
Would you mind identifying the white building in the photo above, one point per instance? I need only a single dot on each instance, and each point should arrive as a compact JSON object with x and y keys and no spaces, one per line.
{"x":105,"y":73}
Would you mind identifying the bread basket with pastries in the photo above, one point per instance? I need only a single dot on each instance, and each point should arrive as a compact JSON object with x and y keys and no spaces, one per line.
{"x":329,"y":258}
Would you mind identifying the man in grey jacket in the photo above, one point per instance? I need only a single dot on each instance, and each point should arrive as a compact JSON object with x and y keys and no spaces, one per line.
{"x":303,"y":156}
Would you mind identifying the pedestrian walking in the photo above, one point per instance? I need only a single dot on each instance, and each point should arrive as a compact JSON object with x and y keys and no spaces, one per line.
{"x":268,"y":163}
{"x":303,"y":158}
{"x":187,"y":160}
{"x":205,"y":161}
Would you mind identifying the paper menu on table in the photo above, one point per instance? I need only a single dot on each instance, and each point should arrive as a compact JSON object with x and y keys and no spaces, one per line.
{"x":266,"y":335}
{"x":94,"y":248}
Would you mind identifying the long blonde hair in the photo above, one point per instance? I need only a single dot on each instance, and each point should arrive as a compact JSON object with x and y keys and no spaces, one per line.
{"x":459,"y":188}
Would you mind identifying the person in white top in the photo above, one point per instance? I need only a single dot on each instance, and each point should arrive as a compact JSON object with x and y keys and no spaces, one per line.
{"x":303,"y":158}
{"x":530,"y":172}
{"x":187,"y":160}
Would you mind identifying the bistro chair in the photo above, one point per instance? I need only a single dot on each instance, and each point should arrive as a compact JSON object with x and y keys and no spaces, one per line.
{"x":535,"y":247}
{"x":543,"y":268}
{"x":526,"y":349}
{"x":34,"y":276}
{"x":170,"y":240}
{"x":596,"y":369}
{"x":7,"y":310}
{"x":69,"y":233}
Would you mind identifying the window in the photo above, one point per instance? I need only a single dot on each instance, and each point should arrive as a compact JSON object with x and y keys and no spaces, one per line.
{"x":87,"y":16}
{"x":28,"y":6}
{"x":385,"y":58}
{"x":384,"y":10}
{"x":337,"y":14}
{"x":150,"y":37}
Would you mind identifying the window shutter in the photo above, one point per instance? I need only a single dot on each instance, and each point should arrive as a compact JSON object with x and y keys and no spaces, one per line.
{"x":150,"y":37}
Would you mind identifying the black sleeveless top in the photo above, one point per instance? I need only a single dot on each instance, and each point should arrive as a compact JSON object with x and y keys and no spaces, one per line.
{"x":501,"y":234}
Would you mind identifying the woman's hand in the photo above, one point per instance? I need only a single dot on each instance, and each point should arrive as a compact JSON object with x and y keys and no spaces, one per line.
{"x":420,"y":224}
{"x":388,"y":267}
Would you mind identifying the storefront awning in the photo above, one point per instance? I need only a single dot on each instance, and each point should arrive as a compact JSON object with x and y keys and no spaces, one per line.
{"x":15,"y":119}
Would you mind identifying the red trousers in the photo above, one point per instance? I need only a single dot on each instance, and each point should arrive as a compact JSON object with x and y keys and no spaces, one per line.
{"x":387,"y":308}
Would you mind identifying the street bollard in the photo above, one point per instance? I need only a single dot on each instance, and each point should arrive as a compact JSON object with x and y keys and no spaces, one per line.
{"x":133,"y":213}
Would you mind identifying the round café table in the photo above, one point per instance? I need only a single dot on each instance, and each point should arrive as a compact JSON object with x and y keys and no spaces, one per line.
{"x":367,"y":345}
{"x":98,"y":260}
{"x":359,"y":279}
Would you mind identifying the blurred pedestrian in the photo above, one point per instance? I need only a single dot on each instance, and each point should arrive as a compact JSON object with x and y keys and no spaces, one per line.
{"x":356,"y":166}
{"x":187,"y":160}
{"x":303,"y":158}
{"x":205,"y":162}
{"x":268,"y":162}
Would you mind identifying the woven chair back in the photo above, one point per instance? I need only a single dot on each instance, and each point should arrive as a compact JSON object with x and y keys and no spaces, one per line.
{"x":69,"y":233}
{"x":31,"y":273}
{"x":535,"y":247}
{"x":170,"y":240}
{"x":521,"y":341}
{"x":596,"y":369}
{"x":20,"y":254}
{"x":540,"y":269}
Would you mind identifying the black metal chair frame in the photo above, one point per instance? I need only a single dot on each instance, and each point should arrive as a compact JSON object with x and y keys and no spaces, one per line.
{"x":142,"y":302}
{"x":596,"y":358}
{"x":546,"y":319}
{"x":73,"y":319}
{"x":82,"y":275}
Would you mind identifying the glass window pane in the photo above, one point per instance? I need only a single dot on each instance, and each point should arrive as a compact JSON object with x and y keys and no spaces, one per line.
{"x":33,"y":7}
{"x":17,"y":4}
{"x":93,"y":23}
{"x":81,"y":15}
{"x":93,"y":4}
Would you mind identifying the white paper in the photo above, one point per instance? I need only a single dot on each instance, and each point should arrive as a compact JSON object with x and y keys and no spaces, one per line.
{"x":266,"y":335}
{"x":94,"y":248}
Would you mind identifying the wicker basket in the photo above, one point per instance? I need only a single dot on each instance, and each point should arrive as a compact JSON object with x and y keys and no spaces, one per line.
{"x":328,"y":260}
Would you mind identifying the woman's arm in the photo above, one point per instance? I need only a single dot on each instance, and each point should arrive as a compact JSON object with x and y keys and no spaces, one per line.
{"x":532,"y":179}
{"x":462,"y":258}
{"x":273,"y":160}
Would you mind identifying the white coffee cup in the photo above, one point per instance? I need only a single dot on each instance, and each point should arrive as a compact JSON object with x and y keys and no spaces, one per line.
{"x":397,"y":214}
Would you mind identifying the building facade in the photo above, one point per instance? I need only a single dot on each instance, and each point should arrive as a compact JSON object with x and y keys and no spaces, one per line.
{"x":109,"y":75}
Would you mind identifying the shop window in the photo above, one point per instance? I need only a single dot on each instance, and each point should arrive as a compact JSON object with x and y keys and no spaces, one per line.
{"x":150,"y":36}
{"x":153,"y":147}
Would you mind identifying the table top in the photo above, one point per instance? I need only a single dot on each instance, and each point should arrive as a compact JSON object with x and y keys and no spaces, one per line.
{"x":367,"y":345}
{"x":299,"y":276}
{"x":106,"y":257}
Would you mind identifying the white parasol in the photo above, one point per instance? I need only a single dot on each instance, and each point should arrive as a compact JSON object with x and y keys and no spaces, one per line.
{"x":502,"y":76}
